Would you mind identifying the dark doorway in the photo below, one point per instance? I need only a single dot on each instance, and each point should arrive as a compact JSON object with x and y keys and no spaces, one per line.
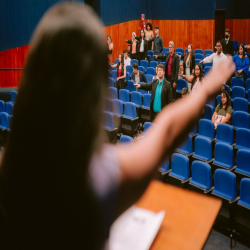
{"x":219,"y":24}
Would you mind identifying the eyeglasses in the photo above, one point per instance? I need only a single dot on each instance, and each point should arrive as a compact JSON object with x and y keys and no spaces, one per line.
{"x":170,"y":47}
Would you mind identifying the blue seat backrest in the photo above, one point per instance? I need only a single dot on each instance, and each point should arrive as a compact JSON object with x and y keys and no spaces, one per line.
{"x":4,"y":119}
{"x":244,"y":192}
{"x":124,"y":95}
{"x":117,"y":107}
{"x":206,"y":128}
{"x":146,"y":100}
{"x":136,"y":97}
{"x":126,"y":139}
{"x":203,"y":147}
{"x":108,"y":120}
{"x":9,"y":107}
{"x":224,"y":133}
{"x":243,"y":137}
{"x":237,"y":81}
{"x":223,"y":153}
{"x":112,"y":93}
{"x":240,"y":104}
{"x":225,"y":184}
{"x":180,"y":165}
{"x":2,"y":106}
{"x":241,"y":119}
{"x":130,"y":109}
{"x":238,"y":92}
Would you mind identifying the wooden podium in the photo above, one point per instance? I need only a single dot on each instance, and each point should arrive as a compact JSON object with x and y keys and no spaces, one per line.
{"x":189,"y":216}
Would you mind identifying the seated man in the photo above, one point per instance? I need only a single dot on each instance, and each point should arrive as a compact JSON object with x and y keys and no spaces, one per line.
{"x":138,"y":76}
{"x":161,"y":92}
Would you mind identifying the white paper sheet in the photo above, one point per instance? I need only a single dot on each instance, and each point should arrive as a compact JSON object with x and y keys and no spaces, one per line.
{"x":135,"y":229}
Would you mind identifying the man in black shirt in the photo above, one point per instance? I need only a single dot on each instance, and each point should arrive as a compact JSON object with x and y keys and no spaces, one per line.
{"x":228,"y":44}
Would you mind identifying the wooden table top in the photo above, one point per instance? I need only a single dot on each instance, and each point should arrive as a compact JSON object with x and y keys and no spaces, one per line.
{"x":189,"y":216}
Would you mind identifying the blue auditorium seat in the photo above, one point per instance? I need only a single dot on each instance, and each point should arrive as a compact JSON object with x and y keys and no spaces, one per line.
{"x":131,"y":87}
{"x":4,"y":120}
{"x":124,"y":95}
{"x":126,"y":139}
{"x":147,"y":125}
{"x":117,"y":110}
{"x":242,"y":139}
{"x":241,"y":120}
{"x":150,"y":71}
{"x":224,"y":134}
{"x":112,"y":93}
{"x":9,"y":108}
{"x":13,"y":95}
{"x":153,"y":64}
{"x":208,"y":112}
{"x":141,"y":68}
{"x":114,"y":74}
{"x":2,"y":106}
{"x":238,"y":92}
{"x":236,"y":45}
{"x":206,"y":69}
{"x":129,"y":69}
{"x":144,"y":63}
{"x":150,"y":53}
{"x":243,"y":166}
{"x":198,"y":56}
{"x":247,"y":85}
{"x":244,"y":193}
{"x":134,"y":61}
{"x":223,"y":157}
{"x":130,"y":119}
{"x":181,"y":83}
{"x":180,"y":50}
{"x":109,"y":126}
{"x":237,"y":82}
{"x":179,"y":174}
{"x":116,"y":60}
{"x":206,"y":129}
{"x":111,"y":82}
{"x":198,"y":51}
{"x":127,"y":76}
{"x":186,"y":148}
{"x":202,"y":149}
{"x":145,"y":110}
{"x":240,"y":104}
{"x":107,"y":105}
{"x":149,"y":78}
{"x":208,"y":52}
{"x":201,"y":180}
{"x":136,"y":98}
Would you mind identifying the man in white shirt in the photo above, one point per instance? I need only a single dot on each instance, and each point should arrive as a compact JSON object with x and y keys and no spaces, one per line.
{"x":127,"y":60}
{"x":215,"y":57}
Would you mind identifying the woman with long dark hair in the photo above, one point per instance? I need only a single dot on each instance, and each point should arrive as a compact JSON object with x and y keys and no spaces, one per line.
{"x":195,"y":79}
{"x":149,"y":34}
{"x":223,"y":112}
{"x":188,"y":63}
{"x":241,"y":61}
{"x":121,"y":72}
{"x":143,"y":46}
{"x":61,"y":187}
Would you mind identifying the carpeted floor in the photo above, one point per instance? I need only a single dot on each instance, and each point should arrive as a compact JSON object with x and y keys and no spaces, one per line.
{"x":218,"y":241}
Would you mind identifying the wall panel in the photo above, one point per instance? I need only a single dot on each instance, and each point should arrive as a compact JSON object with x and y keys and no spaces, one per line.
{"x":240,"y":29}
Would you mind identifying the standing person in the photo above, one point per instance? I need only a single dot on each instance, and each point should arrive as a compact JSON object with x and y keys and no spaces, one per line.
{"x":143,"y":47}
{"x":227,"y":44}
{"x":217,"y":57}
{"x":121,"y":73}
{"x":158,"y":42}
{"x":138,"y":76}
{"x":134,"y":48}
{"x":241,"y":61}
{"x":189,"y":63}
{"x":127,"y":60}
{"x":161,"y":92}
{"x":110,"y":47}
{"x":68,"y":197}
{"x":171,"y":67}
{"x":149,"y":34}
{"x":196,"y":79}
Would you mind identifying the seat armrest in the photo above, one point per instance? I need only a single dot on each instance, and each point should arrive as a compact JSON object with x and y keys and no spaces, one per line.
{"x":234,"y":201}
{"x":187,"y":180}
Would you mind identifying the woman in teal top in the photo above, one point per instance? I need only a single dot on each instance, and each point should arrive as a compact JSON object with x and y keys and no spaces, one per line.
{"x":241,"y":61}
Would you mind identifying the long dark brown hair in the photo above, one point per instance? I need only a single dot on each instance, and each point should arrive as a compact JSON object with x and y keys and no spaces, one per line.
{"x":224,"y":92}
{"x":195,"y":77}
{"x":186,"y":56}
{"x":121,"y":63}
{"x":244,"y":52}
{"x":46,"y":201}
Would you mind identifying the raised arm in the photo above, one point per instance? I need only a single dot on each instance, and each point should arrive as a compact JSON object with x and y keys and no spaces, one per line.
{"x":207,"y":59}
{"x":146,"y":86}
{"x":139,"y":161}
{"x":113,"y":66}
{"x":188,"y":78}
{"x":128,"y":41}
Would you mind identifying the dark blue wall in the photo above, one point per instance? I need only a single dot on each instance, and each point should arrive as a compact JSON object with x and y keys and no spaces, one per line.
{"x":18,"y":19}
{"x":235,"y":9}
{"x":118,"y":11}
{"x":182,"y":10}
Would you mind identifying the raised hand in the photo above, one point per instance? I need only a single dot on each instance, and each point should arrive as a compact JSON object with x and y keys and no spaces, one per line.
{"x":218,"y":75}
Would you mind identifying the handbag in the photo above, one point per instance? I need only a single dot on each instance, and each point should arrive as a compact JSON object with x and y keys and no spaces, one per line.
{"x":239,"y":75}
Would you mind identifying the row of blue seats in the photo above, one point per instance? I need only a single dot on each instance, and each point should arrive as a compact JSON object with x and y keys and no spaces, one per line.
{"x":5,"y":120}
{"x":6,"y":107}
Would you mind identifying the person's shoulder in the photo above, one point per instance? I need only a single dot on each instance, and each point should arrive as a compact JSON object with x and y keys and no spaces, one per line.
{"x":167,"y":82}
{"x":229,"y":107}
{"x":141,"y":72}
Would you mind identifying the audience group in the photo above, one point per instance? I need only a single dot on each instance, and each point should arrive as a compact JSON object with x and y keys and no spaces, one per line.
{"x":177,"y":67}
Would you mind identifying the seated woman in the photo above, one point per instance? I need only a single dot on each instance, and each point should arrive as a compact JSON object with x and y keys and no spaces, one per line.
{"x":223,"y":112}
{"x":241,"y":62}
{"x":196,"y":79}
